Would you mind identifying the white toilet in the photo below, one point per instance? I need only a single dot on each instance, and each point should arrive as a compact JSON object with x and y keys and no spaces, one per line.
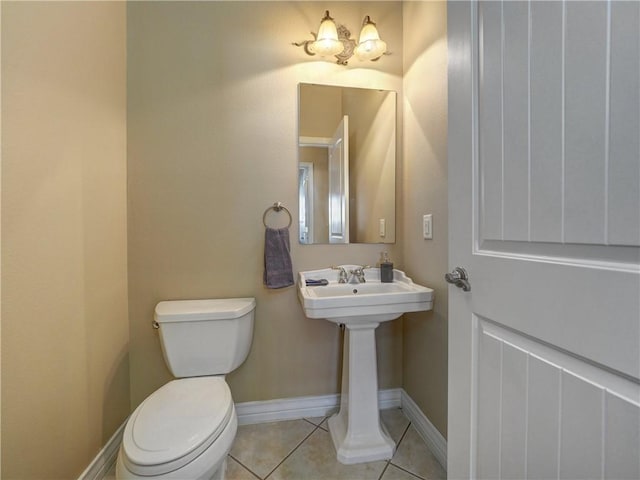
{"x":185,"y":429}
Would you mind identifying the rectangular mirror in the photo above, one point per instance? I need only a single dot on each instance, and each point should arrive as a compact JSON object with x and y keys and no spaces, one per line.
{"x":346,"y":164}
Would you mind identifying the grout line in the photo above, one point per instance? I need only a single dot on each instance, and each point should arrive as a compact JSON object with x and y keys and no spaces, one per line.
{"x":386,"y":465}
{"x":314,"y":424}
{"x":403,"y":435}
{"x":245,"y":467}
{"x":407,"y":471}
{"x":291,"y":452}
{"x":397,"y":447}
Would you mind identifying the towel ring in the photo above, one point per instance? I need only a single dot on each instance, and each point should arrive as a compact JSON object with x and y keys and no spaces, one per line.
{"x":277,"y":207}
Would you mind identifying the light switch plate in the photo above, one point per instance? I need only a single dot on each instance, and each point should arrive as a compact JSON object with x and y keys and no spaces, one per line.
{"x":427,"y":226}
{"x":383,"y":227}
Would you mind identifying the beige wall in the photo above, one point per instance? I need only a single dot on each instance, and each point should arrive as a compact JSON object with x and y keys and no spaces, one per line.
{"x":372,"y":164}
{"x":212,"y":127}
{"x":320,"y":110}
{"x":425,"y":191}
{"x":64,"y":282}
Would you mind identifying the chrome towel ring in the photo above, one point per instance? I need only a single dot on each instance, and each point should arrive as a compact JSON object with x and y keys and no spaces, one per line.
{"x":278,"y":207}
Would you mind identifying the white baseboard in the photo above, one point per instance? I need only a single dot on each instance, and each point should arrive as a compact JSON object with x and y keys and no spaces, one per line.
{"x":303,"y":407}
{"x":105,"y":458}
{"x":430,"y":434}
{"x":294,"y":409}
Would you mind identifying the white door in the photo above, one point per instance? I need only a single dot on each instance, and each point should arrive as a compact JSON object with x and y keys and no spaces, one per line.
{"x":544,"y":198}
{"x":306,"y":216}
{"x":339,"y":184}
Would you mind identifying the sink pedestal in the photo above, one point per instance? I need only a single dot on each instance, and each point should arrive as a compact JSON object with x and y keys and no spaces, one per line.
{"x":356,"y":430}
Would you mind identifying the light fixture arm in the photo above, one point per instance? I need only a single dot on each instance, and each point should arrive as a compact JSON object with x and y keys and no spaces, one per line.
{"x":305,"y":44}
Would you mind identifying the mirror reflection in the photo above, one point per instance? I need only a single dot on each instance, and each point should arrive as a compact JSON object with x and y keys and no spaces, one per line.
{"x":347,"y":164}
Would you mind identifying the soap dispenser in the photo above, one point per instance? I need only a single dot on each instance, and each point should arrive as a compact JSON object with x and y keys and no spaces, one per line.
{"x":386,"y":269}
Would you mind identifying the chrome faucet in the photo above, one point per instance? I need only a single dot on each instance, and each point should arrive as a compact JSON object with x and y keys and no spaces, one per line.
{"x":342,"y":274}
{"x":357,"y":274}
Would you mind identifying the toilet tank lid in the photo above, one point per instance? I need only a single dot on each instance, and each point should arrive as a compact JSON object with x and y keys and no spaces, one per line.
{"x":200,"y":310}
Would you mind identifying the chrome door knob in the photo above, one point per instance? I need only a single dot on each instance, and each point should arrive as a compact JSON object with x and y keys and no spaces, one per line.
{"x":459,"y":278}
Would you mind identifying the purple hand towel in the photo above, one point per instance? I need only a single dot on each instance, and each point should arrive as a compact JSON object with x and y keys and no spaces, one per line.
{"x":278,"y":271}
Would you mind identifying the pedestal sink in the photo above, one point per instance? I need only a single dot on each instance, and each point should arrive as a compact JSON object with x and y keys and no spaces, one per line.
{"x":356,"y":430}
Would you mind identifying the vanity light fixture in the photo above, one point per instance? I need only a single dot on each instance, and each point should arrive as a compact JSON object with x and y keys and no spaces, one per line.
{"x":335,"y":40}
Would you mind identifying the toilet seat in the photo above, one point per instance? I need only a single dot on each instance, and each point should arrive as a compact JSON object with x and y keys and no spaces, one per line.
{"x":175,"y":424}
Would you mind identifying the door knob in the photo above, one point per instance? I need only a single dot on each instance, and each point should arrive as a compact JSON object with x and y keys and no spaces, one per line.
{"x":459,"y":278}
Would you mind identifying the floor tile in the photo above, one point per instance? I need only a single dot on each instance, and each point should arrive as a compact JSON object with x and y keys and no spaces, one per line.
{"x":413,"y":455}
{"x":262,"y":447}
{"x":235,"y":471}
{"x":316,"y":459}
{"x":395,"y":421}
{"x":394,"y":473}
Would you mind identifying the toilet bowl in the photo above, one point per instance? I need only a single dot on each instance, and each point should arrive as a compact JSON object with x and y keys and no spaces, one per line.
{"x":185,"y":429}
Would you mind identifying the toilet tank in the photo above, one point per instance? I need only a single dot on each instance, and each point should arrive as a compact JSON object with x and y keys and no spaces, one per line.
{"x":205,"y":337}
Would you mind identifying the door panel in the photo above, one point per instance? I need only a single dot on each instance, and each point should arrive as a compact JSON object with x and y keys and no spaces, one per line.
{"x":585,"y":33}
{"x":623,"y":174}
{"x":543,"y":413}
{"x":558,"y":122}
{"x":546,"y":122}
{"x":544,"y":351}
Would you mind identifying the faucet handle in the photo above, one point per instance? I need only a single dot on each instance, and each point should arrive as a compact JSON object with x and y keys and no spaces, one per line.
{"x":361,"y":269}
{"x":359,"y":272}
{"x":342,"y":274}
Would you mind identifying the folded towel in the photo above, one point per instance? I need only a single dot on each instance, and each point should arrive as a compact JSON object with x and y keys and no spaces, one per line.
{"x":278,"y":271}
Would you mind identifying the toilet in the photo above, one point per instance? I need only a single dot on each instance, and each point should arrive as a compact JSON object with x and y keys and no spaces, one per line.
{"x":185,"y":429}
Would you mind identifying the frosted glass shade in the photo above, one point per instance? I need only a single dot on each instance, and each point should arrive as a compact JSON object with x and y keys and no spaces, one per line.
{"x":327,"y":42}
{"x":370,"y":46}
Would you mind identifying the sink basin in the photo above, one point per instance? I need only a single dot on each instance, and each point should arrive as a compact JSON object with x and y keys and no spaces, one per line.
{"x":373,"y":300}
{"x":356,"y":430}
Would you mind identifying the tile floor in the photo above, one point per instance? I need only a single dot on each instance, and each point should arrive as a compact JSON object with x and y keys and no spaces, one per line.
{"x":303,"y":450}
